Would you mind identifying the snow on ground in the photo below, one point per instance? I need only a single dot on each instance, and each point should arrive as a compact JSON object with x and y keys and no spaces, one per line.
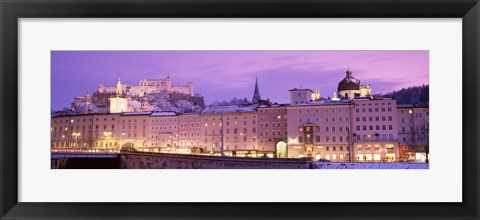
{"x":340,"y":165}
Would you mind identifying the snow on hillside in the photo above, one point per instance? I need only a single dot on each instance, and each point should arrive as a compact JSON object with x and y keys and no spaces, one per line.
{"x":340,"y":165}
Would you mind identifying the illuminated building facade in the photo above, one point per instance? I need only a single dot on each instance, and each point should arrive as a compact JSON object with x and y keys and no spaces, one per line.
{"x":363,"y":128}
{"x":319,"y":130}
{"x":374,"y":129}
{"x":272,"y":129}
{"x":413,"y":132}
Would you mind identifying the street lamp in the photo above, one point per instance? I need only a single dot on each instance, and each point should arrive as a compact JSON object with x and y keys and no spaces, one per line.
{"x":75,"y":134}
{"x":107,"y":135}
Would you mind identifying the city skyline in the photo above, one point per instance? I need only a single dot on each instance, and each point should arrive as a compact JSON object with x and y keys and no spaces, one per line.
{"x":222,"y":75}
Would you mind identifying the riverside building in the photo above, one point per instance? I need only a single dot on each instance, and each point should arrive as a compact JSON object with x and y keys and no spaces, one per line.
{"x":355,"y":126}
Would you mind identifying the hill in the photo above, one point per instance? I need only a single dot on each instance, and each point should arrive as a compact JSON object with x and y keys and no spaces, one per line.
{"x":417,"y":95}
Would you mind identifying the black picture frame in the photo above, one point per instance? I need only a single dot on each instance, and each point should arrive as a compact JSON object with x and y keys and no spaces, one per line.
{"x":12,"y":10}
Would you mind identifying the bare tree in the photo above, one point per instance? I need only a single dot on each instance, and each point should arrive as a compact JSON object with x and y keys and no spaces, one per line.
{"x":420,"y":136}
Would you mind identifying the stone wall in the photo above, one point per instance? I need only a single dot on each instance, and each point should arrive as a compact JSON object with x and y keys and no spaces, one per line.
{"x":145,"y":160}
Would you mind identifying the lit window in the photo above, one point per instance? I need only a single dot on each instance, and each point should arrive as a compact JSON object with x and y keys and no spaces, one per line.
{"x":359,"y":157}
{"x":410,"y":111}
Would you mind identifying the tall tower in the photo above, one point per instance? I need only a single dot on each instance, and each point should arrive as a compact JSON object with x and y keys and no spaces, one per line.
{"x":118,"y":103}
{"x":119,"y":87}
{"x":256,"y":92}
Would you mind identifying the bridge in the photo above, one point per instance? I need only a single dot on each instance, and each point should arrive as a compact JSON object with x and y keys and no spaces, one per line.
{"x":60,"y":157}
{"x":111,"y":159}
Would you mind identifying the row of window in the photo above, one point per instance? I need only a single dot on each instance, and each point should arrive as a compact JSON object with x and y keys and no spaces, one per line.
{"x":375,"y":147}
{"x":273,"y":110}
{"x":370,"y":104}
{"x":371,"y":127}
{"x":274,"y":117}
{"x":419,"y":129}
{"x":273,"y":133}
{"x":318,"y":139}
{"x":373,"y":137}
{"x":357,"y":110}
{"x":390,"y":118}
{"x":228,"y":118}
{"x":325,"y":110}
{"x":278,"y":124}
{"x":213,"y":124}
{"x":317,"y":129}
{"x":333,"y":119}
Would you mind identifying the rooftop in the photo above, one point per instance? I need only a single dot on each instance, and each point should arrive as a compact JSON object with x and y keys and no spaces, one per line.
{"x":301,"y":89}
{"x":157,"y":114}
{"x":136,"y":113}
{"x":325,"y":102}
{"x":230,"y":109}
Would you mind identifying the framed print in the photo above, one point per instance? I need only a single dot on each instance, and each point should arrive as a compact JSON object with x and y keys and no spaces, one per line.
{"x":123,"y":109}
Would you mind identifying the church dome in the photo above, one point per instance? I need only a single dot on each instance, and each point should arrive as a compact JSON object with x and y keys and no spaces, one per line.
{"x":349,"y":83}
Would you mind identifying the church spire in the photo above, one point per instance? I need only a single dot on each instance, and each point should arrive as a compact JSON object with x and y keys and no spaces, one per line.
{"x":256,"y":92}
{"x":119,"y":87}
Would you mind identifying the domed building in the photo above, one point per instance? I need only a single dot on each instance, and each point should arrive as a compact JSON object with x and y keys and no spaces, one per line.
{"x":350,"y":88}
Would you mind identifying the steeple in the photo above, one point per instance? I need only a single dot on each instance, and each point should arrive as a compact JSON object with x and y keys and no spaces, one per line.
{"x":256,"y":92}
{"x":119,"y":87}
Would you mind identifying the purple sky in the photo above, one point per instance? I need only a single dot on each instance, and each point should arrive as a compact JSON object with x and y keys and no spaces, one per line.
{"x":222,"y":75}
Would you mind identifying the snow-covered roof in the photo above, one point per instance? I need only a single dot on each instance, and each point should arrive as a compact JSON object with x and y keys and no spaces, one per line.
{"x":368,"y":98}
{"x":326,"y":102}
{"x":154,"y":114}
{"x":300,"y":89}
{"x":86,"y":107}
{"x":230,"y":109}
{"x":273,"y":105}
{"x":136,"y":113}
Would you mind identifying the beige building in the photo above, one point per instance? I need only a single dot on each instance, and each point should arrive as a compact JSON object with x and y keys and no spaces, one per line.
{"x":72,"y":131}
{"x":300,"y":96}
{"x":134,"y":129}
{"x":189,"y":132}
{"x":272,"y":129}
{"x":239,"y":130}
{"x":164,"y":131}
{"x":413,"y":132}
{"x":319,"y":130}
{"x":374,"y":128}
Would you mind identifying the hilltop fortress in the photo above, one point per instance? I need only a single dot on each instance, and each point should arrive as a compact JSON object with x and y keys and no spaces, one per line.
{"x":150,"y":86}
